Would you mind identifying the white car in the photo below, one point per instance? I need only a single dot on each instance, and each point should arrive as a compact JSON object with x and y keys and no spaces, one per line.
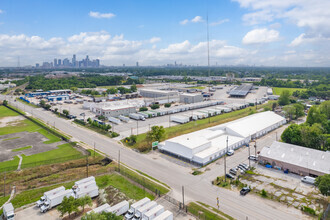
{"x":230,"y":152}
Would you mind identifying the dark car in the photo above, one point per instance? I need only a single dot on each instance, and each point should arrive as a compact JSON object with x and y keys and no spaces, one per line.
{"x":233,"y":171}
{"x":229,"y":176}
{"x":245,"y":191}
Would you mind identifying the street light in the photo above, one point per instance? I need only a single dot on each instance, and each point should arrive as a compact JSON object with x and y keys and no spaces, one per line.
{"x":225,"y":158}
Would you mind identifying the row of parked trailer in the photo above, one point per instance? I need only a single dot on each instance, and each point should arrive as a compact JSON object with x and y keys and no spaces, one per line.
{"x":81,"y":188}
{"x":205,"y":113}
{"x":144,"y":209}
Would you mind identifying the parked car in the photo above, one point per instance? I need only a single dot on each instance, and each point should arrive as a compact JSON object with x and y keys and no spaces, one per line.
{"x":242,"y":168}
{"x":229,"y":176}
{"x":308,"y":179}
{"x":245,"y":191}
{"x":233,"y":171}
{"x":253,"y":157}
{"x":230,"y":152}
{"x":244,"y":165}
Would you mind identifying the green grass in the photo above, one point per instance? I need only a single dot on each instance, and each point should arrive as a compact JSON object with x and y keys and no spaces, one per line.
{"x":278,"y":90}
{"x":216,"y":210}
{"x":3,"y":200}
{"x":5,"y":112}
{"x":150,"y":177}
{"x":8,"y":139}
{"x":64,"y":150}
{"x":31,"y":196}
{"x":10,"y":164}
{"x":197,"y":87}
{"x":203,"y":213}
{"x":197,"y":125}
{"x":21,"y":148}
{"x":106,"y":87}
{"x":132,"y":191}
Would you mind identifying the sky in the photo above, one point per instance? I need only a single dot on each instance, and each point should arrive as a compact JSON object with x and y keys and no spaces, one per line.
{"x":241,"y":32}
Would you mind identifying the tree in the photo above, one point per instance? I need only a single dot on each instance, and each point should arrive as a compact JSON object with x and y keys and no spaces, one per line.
{"x":284,"y":98}
{"x":167,"y":105}
{"x":325,"y":109}
{"x":274,"y":105}
{"x":323,"y":183}
{"x":143,"y":109}
{"x":292,"y":135}
{"x":157,"y":133}
{"x":101,"y":216}
{"x":65,"y":112}
{"x":290,"y":111}
{"x":47,"y":106}
{"x":5,"y":102}
{"x":133,"y":88}
{"x":55,"y":110}
{"x":104,"y":93}
{"x":68,"y":205}
{"x":42,"y":103}
{"x":315,"y":116}
{"x":312,"y":136}
{"x":299,"y":110}
{"x":74,"y":89}
{"x":112,"y":91}
{"x":83,"y":201}
{"x":154,"y":106}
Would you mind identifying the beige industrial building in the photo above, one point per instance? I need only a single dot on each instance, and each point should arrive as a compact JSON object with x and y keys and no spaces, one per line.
{"x":154,"y":93}
{"x":296,"y":159}
{"x":190,"y":98}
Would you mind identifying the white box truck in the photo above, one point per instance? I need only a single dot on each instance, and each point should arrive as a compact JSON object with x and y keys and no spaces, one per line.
{"x":180,"y":119}
{"x":8,"y":212}
{"x":114,"y":120}
{"x":123,"y":118}
{"x":100,"y":208}
{"x":135,"y":206}
{"x":84,"y":186}
{"x":167,"y":215}
{"x":85,"y":180}
{"x":119,"y":209}
{"x":43,"y":198}
{"x":140,"y":211}
{"x":54,"y":200}
{"x":90,"y":191}
{"x":153,"y":213}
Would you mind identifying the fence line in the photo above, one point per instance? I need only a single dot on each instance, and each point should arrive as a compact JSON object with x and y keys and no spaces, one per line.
{"x":326,"y":213}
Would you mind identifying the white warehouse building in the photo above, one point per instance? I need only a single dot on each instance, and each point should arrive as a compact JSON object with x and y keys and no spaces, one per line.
{"x":204,"y":146}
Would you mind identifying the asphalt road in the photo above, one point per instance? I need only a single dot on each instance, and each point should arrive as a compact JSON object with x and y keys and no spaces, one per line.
{"x":196,"y":188}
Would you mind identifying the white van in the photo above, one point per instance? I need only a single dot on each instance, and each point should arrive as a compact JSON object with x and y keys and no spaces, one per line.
{"x":308,"y":179}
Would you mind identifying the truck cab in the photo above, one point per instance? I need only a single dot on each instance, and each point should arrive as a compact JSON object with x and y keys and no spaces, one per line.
{"x":129,"y":214}
{"x":8,"y":212}
{"x":45,"y":207}
{"x":41,"y":201}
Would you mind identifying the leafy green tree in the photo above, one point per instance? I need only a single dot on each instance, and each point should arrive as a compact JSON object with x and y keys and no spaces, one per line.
{"x":112,"y":91}
{"x":66,"y":112}
{"x":133,"y":88}
{"x":323,"y":184}
{"x":143,"y":109}
{"x":167,"y":105}
{"x":292,"y":135}
{"x":284,"y":98}
{"x":74,"y":89}
{"x":290,"y":111}
{"x":42,"y":103}
{"x":274,"y":105}
{"x":299,"y":110}
{"x":157,"y":133}
{"x":325,"y":109}
{"x":104,"y":93}
{"x":315,"y":116}
{"x":55,"y":110}
{"x":5,"y":102}
{"x":68,"y":205}
{"x":101,"y":216}
{"x":154,"y":106}
{"x":312,"y":137}
{"x":83,"y":201}
{"x":47,"y":106}
{"x":133,"y":138}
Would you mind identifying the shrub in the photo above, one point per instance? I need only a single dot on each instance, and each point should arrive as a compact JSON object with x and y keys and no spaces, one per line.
{"x":167,"y":105}
{"x":143,"y":109}
{"x":114,"y":134}
{"x":154,"y":106}
{"x":263,"y":193}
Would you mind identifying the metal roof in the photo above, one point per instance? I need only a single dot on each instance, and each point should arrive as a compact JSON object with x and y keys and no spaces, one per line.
{"x":242,"y":90}
{"x":300,"y":156}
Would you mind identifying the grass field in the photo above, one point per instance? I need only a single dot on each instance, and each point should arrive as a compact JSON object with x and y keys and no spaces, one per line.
{"x":203,"y":213}
{"x":106,"y":87}
{"x":64,"y":150}
{"x":21,"y":148}
{"x":198,"y":125}
{"x":132,"y":191}
{"x":197,"y":87}
{"x":10,"y":163}
{"x":278,"y":90}
{"x":5,"y":112}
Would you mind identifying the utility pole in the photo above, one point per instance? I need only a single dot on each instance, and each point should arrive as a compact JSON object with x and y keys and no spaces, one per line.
{"x":169,"y":121}
{"x":183,"y":196}
{"x":87,"y":165}
{"x":249,"y":155}
{"x":4,"y":184}
{"x":256,"y":104}
{"x":94,"y":150}
{"x":225,"y":158}
{"x":137,"y":127}
{"x":119,"y":161}
{"x":255,"y":148}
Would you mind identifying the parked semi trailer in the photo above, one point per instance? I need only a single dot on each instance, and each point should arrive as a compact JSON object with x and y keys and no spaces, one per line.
{"x":153,"y":213}
{"x":179,"y":119}
{"x":167,"y":215}
{"x":140,"y":211}
{"x":100,"y":208}
{"x":136,"y":116}
{"x":119,"y":209}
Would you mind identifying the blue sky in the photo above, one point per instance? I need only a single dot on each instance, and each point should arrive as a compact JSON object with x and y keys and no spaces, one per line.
{"x":242,"y":32}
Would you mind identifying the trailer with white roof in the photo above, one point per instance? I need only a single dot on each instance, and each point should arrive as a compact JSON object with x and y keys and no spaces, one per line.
{"x":119,"y":209}
{"x":135,"y":206}
{"x":153,"y":213}
{"x":167,"y":215}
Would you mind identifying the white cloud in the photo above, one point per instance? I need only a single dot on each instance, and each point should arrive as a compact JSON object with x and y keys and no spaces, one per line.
{"x":219,"y":22}
{"x":155,"y":40}
{"x":185,"y":21}
{"x":197,"y":19}
{"x":305,"y":39}
{"x":95,"y":14}
{"x":276,"y":25}
{"x":262,"y":35}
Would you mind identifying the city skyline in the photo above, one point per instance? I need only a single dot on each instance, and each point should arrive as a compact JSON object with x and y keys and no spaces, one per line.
{"x":59,"y":63}
{"x":254,"y":32}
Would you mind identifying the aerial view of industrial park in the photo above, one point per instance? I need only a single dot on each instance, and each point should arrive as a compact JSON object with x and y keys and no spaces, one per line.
{"x":162,"y":110}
